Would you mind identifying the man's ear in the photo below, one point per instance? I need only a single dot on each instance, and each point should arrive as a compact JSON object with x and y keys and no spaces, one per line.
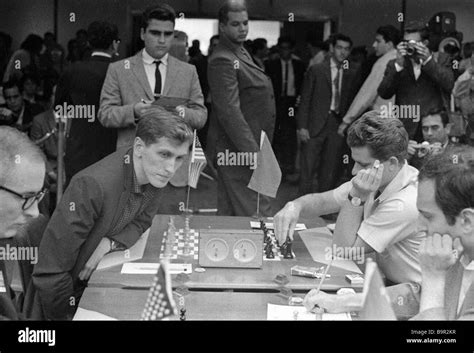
{"x":142,"y":33}
{"x":393,"y":163}
{"x":138,"y":146}
{"x":331,"y":48}
{"x":448,"y":128}
{"x":467,"y":220}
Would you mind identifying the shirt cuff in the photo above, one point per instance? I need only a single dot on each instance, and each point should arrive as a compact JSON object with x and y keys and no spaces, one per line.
{"x":427,"y":60}
{"x":398,"y":67}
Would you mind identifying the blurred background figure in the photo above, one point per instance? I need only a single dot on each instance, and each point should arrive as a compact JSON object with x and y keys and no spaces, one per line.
{"x":25,"y":59}
{"x":179,"y":46}
{"x":259,"y":51}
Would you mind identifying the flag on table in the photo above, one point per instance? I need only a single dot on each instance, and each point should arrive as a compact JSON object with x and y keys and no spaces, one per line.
{"x":267,"y":176}
{"x":198,"y":162}
{"x":160,"y":302}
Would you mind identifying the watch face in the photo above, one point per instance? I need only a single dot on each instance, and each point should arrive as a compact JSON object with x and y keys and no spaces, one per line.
{"x":216,"y":249}
{"x":244,"y":250}
{"x":356,"y":201}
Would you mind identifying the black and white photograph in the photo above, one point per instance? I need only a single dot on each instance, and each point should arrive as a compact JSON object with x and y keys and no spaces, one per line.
{"x":223,"y":175}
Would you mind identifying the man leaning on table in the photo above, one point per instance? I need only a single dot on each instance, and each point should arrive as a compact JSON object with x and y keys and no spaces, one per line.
{"x":377,"y":208}
{"x":106,"y":207}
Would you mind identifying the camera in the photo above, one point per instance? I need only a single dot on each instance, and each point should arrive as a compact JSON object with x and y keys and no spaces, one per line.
{"x":410,"y":48}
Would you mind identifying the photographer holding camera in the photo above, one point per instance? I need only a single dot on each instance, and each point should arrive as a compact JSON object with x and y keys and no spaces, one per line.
{"x":417,"y":79}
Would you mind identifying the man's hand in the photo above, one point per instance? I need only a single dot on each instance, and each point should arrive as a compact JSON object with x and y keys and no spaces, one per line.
{"x":401,"y":53}
{"x":437,"y":254}
{"x":412,"y":146}
{"x":436,"y":148}
{"x":91,"y":264}
{"x":342,"y":129}
{"x":422,"y":51}
{"x":285,"y":221}
{"x":5,"y":114}
{"x":367,"y":181}
{"x":181,"y":109}
{"x":303,"y":135}
{"x":140,"y":108}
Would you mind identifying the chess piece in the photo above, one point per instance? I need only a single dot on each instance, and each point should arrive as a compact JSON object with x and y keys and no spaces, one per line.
{"x":269,"y":254}
{"x":182,"y":314}
{"x":289,"y":250}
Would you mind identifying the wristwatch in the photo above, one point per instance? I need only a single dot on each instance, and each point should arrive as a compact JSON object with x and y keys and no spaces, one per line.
{"x":355,"y":201}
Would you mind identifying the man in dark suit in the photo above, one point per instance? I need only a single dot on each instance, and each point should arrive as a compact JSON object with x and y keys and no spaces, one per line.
{"x":243,"y":105}
{"x":327,"y":93}
{"x":418,"y":81}
{"x":107,"y":206}
{"x":80,"y":85}
{"x":22,"y":170}
{"x":17,"y":112}
{"x":287,"y":77}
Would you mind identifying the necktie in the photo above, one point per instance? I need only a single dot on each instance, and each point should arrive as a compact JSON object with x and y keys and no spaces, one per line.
{"x":157,"y":77}
{"x":285,"y":81}
{"x":337,"y":92}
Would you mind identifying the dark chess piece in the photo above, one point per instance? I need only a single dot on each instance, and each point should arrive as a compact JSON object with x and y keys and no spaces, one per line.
{"x":286,"y":249}
{"x":182,"y":314}
{"x":269,"y":253}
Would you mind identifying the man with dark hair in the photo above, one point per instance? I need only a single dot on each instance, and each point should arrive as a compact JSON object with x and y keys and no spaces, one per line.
{"x":377,"y":208}
{"x":150,"y":73}
{"x":386,"y":39}
{"x":446,"y":206}
{"x":242,"y":106}
{"x":418,"y":81}
{"x":107,"y":206}
{"x":318,"y":50}
{"x":435,"y":127}
{"x":79,"y":86}
{"x":287,"y":77}
{"x":327,"y":92}
{"x":260,"y":51}
{"x":22,"y":170}
{"x":17,"y":112}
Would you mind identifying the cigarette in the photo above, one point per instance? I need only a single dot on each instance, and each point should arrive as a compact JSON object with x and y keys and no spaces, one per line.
{"x":377,"y":164}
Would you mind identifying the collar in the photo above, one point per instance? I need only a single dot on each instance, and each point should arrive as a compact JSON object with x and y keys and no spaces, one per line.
{"x":101,"y":53}
{"x":136,"y":188}
{"x":334,"y":64}
{"x":406,"y":176}
{"x":131,"y":182}
{"x":468,"y":266}
{"x":148,"y":59}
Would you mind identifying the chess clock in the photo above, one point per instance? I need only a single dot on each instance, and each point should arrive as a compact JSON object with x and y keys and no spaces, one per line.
{"x":234,"y":248}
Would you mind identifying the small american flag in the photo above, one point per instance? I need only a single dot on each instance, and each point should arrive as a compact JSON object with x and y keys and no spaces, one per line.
{"x":160,"y":303}
{"x":198,"y":162}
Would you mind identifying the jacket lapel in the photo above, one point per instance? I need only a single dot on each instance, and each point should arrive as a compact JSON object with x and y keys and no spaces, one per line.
{"x":453,"y":288}
{"x":171,"y":73}
{"x":327,"y":73}
{"x":138,"y":70}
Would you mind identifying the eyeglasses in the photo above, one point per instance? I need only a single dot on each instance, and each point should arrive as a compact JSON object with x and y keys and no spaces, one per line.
{"x":29,"y":198}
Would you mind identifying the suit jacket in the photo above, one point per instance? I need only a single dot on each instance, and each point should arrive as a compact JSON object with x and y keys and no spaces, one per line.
{"x":88,"y":141}
{"x":273,"y":69}
{"x":126,"y":84}
{"x":31,"y":110}
{"x":429,"y":92}
{"x":316,"y":96}
{"x":243,"y":102}
{"x":90,"y":207}
{"x":451,"y":298}
{"x":43,"y":124}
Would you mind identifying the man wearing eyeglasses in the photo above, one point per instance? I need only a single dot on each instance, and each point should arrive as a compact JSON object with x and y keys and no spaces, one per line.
{"x":22,"y":170}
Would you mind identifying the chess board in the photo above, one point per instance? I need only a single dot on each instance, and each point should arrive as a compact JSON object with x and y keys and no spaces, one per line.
{"x":178,"y":247}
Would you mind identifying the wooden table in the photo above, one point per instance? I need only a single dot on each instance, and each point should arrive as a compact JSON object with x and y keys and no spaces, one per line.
{"x":223,"y":278}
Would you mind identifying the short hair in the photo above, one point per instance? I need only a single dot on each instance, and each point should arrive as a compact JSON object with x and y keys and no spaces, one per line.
{"x":385,"y":137}
{"x":341,"y":37}
{"x":162,"y":12}
{"x":14,"y":144}
{"x":230,"y":6}
{"x":258,"y":44}
{"x":453,"y":174}
{"x":101,"y":34}
{"x":441,"y":112}
{"x":389,"y":34}
{"x":286,"y":39}
{"x":417,"y":28}
{"x":157,"y":122}
{"x":33,"y":43}
{"x":30,"y":76}
{"x":14,"y":82}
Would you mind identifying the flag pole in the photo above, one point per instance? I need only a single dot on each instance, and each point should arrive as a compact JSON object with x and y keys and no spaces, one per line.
{"x":187,"y":199}
{"x":258,"y":205}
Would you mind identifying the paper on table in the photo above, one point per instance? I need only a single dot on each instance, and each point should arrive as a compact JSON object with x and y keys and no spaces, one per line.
{"x":269,"y":225}
{"x":142,"y":268}
{"x":118,"y":257}
{"x":299,"y":313}
{"x":87,"y":315}
{"x":167,"y":101}
{"x":318,"y":241}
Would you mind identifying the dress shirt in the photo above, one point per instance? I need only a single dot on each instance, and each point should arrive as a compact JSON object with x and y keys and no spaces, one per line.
{"x":290,"y":85}
{"x":150,"y":68}
{"x":333,"y":77}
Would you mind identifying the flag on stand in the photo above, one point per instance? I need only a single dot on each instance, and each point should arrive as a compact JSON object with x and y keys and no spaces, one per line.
{"x":160,"y":302}
{"x":198,"y":162}
{"x":266,"y":177}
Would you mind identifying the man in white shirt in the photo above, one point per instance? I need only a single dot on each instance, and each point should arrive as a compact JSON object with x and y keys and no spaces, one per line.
{"x":386,"y":39}
{"x":377,"y":208}
{"x":133,"y":83}
{"x":446,"y":206}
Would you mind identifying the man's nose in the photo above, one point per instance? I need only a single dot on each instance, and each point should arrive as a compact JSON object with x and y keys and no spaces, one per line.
{"x":33,"y":211}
